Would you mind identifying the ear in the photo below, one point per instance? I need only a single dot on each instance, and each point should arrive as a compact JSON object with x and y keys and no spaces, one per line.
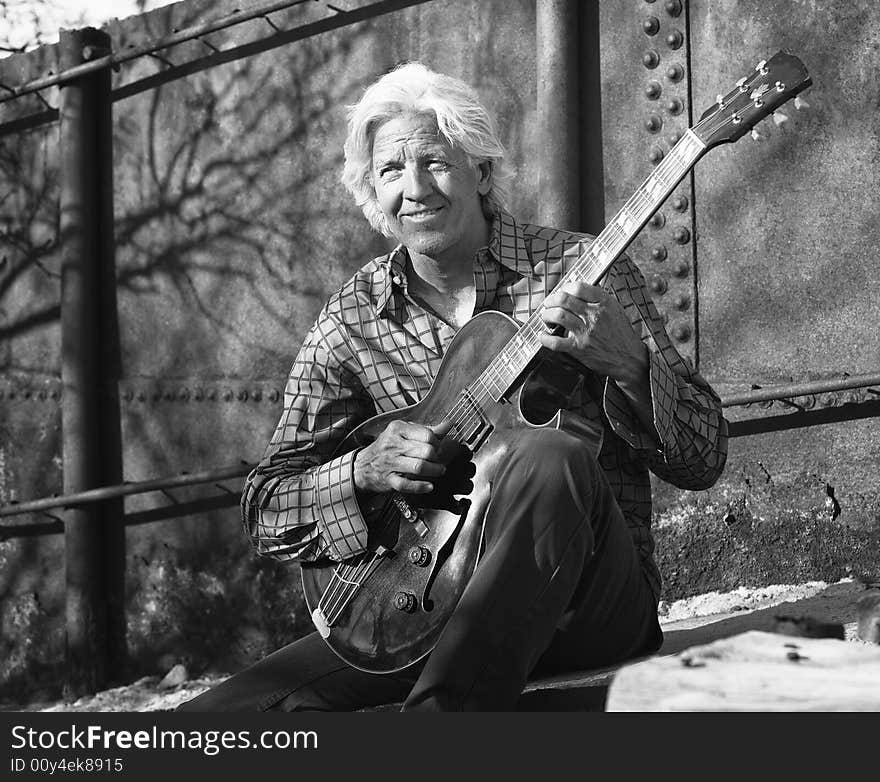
{"x":484,"y":180}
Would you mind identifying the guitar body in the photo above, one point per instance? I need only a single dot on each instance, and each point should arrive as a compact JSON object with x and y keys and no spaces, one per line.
{"x":376,"y":630}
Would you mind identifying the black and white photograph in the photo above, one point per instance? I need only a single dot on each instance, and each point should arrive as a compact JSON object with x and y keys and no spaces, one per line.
{"x":435,"y":355}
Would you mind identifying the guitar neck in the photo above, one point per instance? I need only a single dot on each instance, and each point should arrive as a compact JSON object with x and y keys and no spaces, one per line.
{"x":503,"y":371}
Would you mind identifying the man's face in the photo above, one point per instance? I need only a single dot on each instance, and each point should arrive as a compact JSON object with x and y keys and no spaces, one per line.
{"x":427,"y":189}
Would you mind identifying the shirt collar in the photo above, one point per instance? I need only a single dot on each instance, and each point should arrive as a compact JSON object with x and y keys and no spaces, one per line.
{"x":507,"y":245}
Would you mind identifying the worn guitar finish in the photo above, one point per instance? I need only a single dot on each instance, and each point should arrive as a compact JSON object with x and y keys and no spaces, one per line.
{"x":385,"y":609}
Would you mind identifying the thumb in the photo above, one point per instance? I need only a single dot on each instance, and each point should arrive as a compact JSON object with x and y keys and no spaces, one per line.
{"x":441,"y":429}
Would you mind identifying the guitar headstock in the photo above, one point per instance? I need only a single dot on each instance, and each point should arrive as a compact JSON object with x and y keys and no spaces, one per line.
{"x":755,"y":97}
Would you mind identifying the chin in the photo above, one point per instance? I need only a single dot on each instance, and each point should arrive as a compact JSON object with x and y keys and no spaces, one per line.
{"x":428,"y":243}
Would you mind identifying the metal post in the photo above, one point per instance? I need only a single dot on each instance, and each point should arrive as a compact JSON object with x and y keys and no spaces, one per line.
{"x":86,"y":206}
{"x":570,"y":183}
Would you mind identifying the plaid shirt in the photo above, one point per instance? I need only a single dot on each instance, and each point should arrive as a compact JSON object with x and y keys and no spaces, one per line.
{"x":373,"y":349}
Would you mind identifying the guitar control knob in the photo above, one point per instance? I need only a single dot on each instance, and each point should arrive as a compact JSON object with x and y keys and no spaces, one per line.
{"x":674,"y":107}
{"x":673,"y":7}
{"x":682,"y":268}
{"x":675,"y":72}
{"x":675,"y":39}
{"x":653,"y":123}
{"x":658,"y":253}
{"x":650,"y":59}
{"x":681,"y":235}
{"x":657,"y":220}
{"x":658,"y":285}
{"x":680,"y":203}
{"x":655,"y":155}
{"x":405,"y":601}
{"x":653,"y":90}
{"x":419,"y":556}
{"x":651,"y":25}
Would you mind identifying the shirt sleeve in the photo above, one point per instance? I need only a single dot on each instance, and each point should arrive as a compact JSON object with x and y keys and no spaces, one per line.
{"x":688,"y":446}
{"x":299,"y":502}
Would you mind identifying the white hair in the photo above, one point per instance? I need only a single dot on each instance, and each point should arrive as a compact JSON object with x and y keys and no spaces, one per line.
{"x":413,"y":89}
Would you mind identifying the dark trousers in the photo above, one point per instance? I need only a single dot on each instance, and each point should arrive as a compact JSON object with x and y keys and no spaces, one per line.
{"x":558,"y":588}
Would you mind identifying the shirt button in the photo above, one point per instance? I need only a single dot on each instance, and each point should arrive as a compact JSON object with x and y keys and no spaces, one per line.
{"x":396,"y":280}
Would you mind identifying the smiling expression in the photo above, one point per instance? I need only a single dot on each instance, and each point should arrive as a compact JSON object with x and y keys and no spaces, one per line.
{"x":427,"y":189}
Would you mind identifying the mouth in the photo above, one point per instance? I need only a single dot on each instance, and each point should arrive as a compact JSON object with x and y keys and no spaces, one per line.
{"x":422,"y":214}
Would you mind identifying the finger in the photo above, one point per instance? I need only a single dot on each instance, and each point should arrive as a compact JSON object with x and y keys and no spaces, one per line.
{"x":409,"y":486}
{"x":593,"y":294}
{"x":558,"y":344}
{"x":443,"y":428}
{"x":413,"y":466}
{"x":418,"y":433}
{"x":570,"y":321}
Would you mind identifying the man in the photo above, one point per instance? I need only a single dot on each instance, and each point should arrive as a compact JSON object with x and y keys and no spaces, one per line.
{"x":566,"y":579}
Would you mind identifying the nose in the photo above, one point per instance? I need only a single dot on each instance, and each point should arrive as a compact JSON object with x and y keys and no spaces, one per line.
{"x":416,"y":183}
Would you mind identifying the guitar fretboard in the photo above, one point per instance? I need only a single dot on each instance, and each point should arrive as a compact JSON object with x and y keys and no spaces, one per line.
{"x":511,"y":362}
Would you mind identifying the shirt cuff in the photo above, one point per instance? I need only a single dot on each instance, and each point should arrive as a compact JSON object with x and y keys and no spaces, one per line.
{"x":664,"y":398}
{"x":342,"y":525}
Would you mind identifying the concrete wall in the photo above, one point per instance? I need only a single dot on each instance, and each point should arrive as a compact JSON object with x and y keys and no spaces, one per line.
{"x":232,"y":230}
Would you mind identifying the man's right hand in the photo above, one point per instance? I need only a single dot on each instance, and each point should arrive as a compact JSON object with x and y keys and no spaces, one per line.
{"x":406,"y":457}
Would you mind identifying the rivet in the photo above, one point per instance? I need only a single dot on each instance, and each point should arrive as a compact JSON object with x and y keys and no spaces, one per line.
{"x":26,"y":393}
{"x":183,"y":394}
{"x":274,"y":396}
{"x":199,"y":394}
{"x":675,"y":72}
{"x":658,"y":284}
{"x":658,"y":220}
{"x":682,"y":332}
{"x":682,"y":301}
{"x":682,"y":269}
{"x":42,"y":394}
{"x":156,"y":395}
{"x":128,"y":395}
{"x":257,"y":395}
{"x":681,"y":235}
{"x":228,"y":396}
{"x":12,"y":394}
{"x":141,"y":396}
{"x":651,"y":25}
{"x":653,"y":90}
{"x":653,"y":123}
{"x":650,"y":59}
{"x":169,"y":395}
{"x":674,"y":107}
{"x":212,"y":394}
{"x":674,"y":138}
{"x":242,"y":395}
{"x":655,"y":155}
{"x":680,"y":203}
{"x":675,"y":39}
{"x":55,"y":394}
{"x":658,"y":252}
{"x":673,"y":7}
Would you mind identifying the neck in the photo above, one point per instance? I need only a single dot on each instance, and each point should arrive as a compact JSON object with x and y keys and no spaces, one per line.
{"x":453,"y":269}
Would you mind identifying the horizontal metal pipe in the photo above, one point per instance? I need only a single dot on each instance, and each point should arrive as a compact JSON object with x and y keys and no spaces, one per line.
{"x":341,"y":19}
{"x":801,"y":389}
{"x":125,"y":489}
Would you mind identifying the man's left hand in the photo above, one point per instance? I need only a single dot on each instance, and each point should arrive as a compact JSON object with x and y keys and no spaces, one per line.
{"x":597,"y":332}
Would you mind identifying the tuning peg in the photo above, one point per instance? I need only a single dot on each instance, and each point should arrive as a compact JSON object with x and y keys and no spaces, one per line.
{"x":779,"y":118}
{"x":800,"y":103}
{"x":755,"y":135}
